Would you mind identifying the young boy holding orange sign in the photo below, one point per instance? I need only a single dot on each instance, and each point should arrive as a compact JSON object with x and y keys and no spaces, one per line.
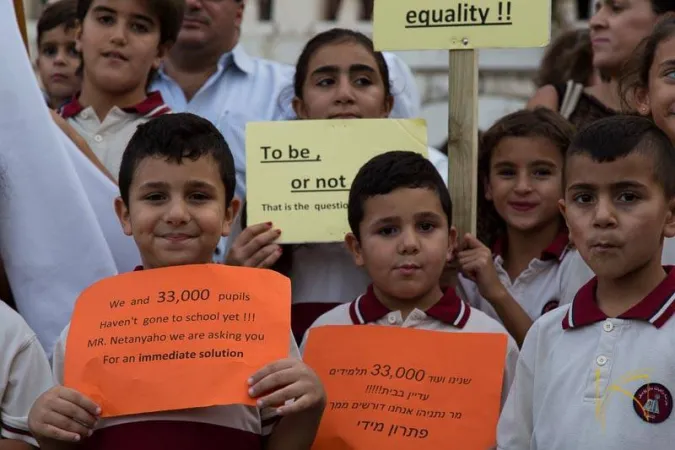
{"x":399,"y":213}
{"x":24,"y":376}
{"x":177,"y":184}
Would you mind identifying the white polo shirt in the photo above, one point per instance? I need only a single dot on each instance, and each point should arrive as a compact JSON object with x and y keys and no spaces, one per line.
{"x":450,"y":314}
{"x":24,"y":375}
{"x":242,"y":427}
{"x":109,"y":139}
{"x":538,"y":289}
{"x":586,"y":381}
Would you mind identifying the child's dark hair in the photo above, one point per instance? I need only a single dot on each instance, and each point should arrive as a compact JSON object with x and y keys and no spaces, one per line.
{"x":331,"y":37}
{"x":61,"y":13}
{"x":537,"y":123}
{"x":635,"y":76}
{"x":390,"y":171}
{"x":662,"y":6}
{"x":617,"y":137}
{"x":570,"y":57}
{"x":175,"y":137}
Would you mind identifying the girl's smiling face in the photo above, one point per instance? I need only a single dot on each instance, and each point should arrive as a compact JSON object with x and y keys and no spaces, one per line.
{"x":660,"y":100}
{"x":525,"y":183}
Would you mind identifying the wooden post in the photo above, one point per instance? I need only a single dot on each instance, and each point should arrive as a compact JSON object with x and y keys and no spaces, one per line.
{"x":462,"y":150}
{"x":21,"y":20}
{"x":463,"y":139}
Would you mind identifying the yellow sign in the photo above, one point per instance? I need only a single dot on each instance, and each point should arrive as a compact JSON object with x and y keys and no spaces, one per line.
{"x":467,"y":24}
{"x":298,"y":173}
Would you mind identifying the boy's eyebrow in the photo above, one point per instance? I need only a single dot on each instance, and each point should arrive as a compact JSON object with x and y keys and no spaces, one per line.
{"x":105,"y":9}
{"x":55,"y":42}
{"x":154,"y":185}
{"x":198,"y":184}
{"x":418,"y":216}
{"x":581,"y":187}
{"x":542,"y":162}
{"x":385,"y":220}
{"x":336,"y":69}
{"x":143,"y":18}
{"x":427,"y":215}
{"x":628,"y":184}
{"x":538,"y":162}
{"x":194,"y":184}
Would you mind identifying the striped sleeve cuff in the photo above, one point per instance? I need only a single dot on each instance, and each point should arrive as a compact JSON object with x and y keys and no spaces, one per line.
{"x":269,"y":420}
{"x":8,"y":431}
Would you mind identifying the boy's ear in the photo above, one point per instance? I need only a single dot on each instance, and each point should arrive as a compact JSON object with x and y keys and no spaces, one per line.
{"x":354,"y":248}
{"x":563,"y":211}
{"x":452,"y":244}
{"x":230,"y":213}
{"x":123,"y":215}
{"x":162,"y":50}
{"x":563,"y":208}
{"x":669,"y":226}
{"x":299,"y":108}
{"x":78,"y":38}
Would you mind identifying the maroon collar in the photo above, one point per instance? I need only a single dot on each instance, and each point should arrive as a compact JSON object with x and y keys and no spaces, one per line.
{"x":137,"y":268}
{"x":449,"y":309}
{"x":554,"y":251}
{"x":153,"y":101}
{"x":656,"y":308}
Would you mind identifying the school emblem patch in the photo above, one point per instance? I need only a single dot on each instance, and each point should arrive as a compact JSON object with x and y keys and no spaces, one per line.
{"x":550,"y":306}
{"x":653,"y":403}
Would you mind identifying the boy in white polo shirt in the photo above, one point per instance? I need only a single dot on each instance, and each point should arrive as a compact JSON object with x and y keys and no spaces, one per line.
{"x":24,"y":376}
{"x":177,"y":182}
{"x":599,"y":372}
{"x":399,"y":212}
{"x":122,"y":44}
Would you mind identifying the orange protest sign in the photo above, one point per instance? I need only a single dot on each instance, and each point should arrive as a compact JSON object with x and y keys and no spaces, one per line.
{"x":177,"y":337}
{"x":401,"y":388}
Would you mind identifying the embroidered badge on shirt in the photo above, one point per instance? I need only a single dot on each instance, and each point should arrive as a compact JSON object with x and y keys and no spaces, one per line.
{"x":550,"y":306}
{"x":653,"y":403}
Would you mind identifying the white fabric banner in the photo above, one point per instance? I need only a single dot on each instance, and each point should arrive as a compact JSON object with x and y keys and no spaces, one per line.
{"x":58,"y":230}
